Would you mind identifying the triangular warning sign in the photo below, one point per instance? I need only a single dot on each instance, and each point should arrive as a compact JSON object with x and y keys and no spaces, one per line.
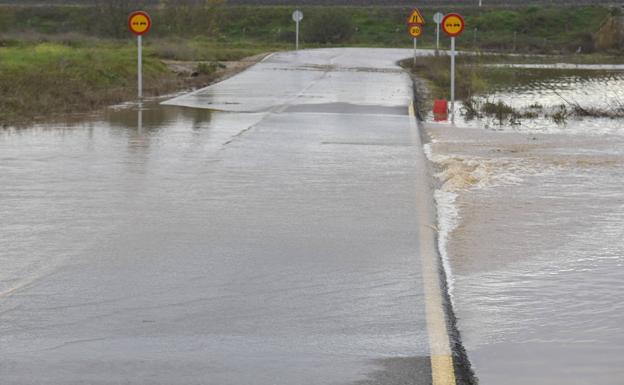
{"x":416,"y":18}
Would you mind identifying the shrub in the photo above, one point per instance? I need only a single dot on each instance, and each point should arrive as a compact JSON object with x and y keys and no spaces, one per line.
{"x":328,"y":27}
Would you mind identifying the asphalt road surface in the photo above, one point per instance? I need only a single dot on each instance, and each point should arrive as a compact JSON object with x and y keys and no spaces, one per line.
{"x":272,"y":240}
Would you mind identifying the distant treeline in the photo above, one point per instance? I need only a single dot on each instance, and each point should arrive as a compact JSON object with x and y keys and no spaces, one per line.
{"x":520,"y":29}
{"x":380,"y":3}
{"x":108,"y":18}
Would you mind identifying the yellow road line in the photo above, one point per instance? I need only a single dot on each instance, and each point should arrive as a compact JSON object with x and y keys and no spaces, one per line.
{"x":442,"y":369}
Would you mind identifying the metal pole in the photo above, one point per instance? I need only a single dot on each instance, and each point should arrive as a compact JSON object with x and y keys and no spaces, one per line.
{"x":140,"y":118}
{"x":297,"y":37}
{"x":475,"y":37}
{"x":415,"y":46}
{"x":437,"y":36}
{"x":453,"y":79}
{"x":140,"y":66}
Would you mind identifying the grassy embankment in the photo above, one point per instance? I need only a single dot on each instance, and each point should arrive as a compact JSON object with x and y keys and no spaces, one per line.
{"x":52,"y":78}
{"x":39,"y":79}
{"x":68,"y":59}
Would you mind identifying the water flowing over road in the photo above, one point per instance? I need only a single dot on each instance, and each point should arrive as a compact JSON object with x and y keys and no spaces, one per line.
{"x":263,"y":230}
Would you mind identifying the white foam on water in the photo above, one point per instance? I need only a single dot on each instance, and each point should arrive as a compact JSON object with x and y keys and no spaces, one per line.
{"x":460,"y":173}
{"x":448,"y":220}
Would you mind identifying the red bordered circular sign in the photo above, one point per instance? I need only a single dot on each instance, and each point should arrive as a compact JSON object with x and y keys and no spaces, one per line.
{"x":415,"y":30}
{"x":139,"y":23}
{"x":453,"y":24}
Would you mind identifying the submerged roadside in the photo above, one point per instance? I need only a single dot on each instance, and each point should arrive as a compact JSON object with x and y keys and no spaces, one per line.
{"x":530,"y":235}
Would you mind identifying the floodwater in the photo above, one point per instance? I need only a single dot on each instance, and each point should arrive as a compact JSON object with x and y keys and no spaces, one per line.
{"x":532,"y":231}
{"x":546,"y":89}
{"x":175,"y":245}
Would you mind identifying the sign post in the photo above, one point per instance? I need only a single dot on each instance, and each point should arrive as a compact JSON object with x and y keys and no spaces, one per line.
{"x":415,"y":30}
{"x":453,"y":25}
{"x":140,"y":65}
{"x":139,"y":23}
{"x":415,"y":23}
{"x":437,"y":18}
{"x":297,"y":16}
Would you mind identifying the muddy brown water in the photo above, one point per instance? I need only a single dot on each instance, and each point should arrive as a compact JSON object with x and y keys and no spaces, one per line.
{"x":532,"y":227}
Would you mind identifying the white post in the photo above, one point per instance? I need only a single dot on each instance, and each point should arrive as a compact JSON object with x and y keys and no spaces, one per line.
{"x":480,"y":3}
{"x":140,"y":118}
{"x":140,"y":66}
{"x":415,"y":46}
{"x":297,"y":37}
{"x":437,"y":36}
{"x":453,"y":79}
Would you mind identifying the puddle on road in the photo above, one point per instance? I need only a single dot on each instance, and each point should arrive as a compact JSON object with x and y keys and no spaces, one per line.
{"x":532,"y":232}
{"x":348,"y":108}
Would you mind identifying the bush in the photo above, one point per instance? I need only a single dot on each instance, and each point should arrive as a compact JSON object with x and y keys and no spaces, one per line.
{"x":328,"y":27}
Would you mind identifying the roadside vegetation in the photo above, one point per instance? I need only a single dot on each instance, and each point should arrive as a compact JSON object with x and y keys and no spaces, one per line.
{"x":43,"y":79}
{"x":60,"y":58}
{"x":480,"y":75}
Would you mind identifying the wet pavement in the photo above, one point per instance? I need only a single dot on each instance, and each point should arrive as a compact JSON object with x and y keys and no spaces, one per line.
{"x":272,"y":240}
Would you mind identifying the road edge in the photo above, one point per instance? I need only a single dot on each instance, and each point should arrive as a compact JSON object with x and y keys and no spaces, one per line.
{"x":449,"y":360}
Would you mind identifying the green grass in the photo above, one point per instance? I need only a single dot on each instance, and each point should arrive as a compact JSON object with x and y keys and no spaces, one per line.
{"x":40,"y":79}
{"x":204,"y":49}
{"x":50,"y":78}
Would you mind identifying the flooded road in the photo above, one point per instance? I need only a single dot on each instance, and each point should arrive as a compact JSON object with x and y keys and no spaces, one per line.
{"x":275,"y":243}
{"x":532,"y":229}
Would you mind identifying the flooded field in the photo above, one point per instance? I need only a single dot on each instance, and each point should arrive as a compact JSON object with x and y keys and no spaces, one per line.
{"x":531,"y":226}
{"x":558,"y":99}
